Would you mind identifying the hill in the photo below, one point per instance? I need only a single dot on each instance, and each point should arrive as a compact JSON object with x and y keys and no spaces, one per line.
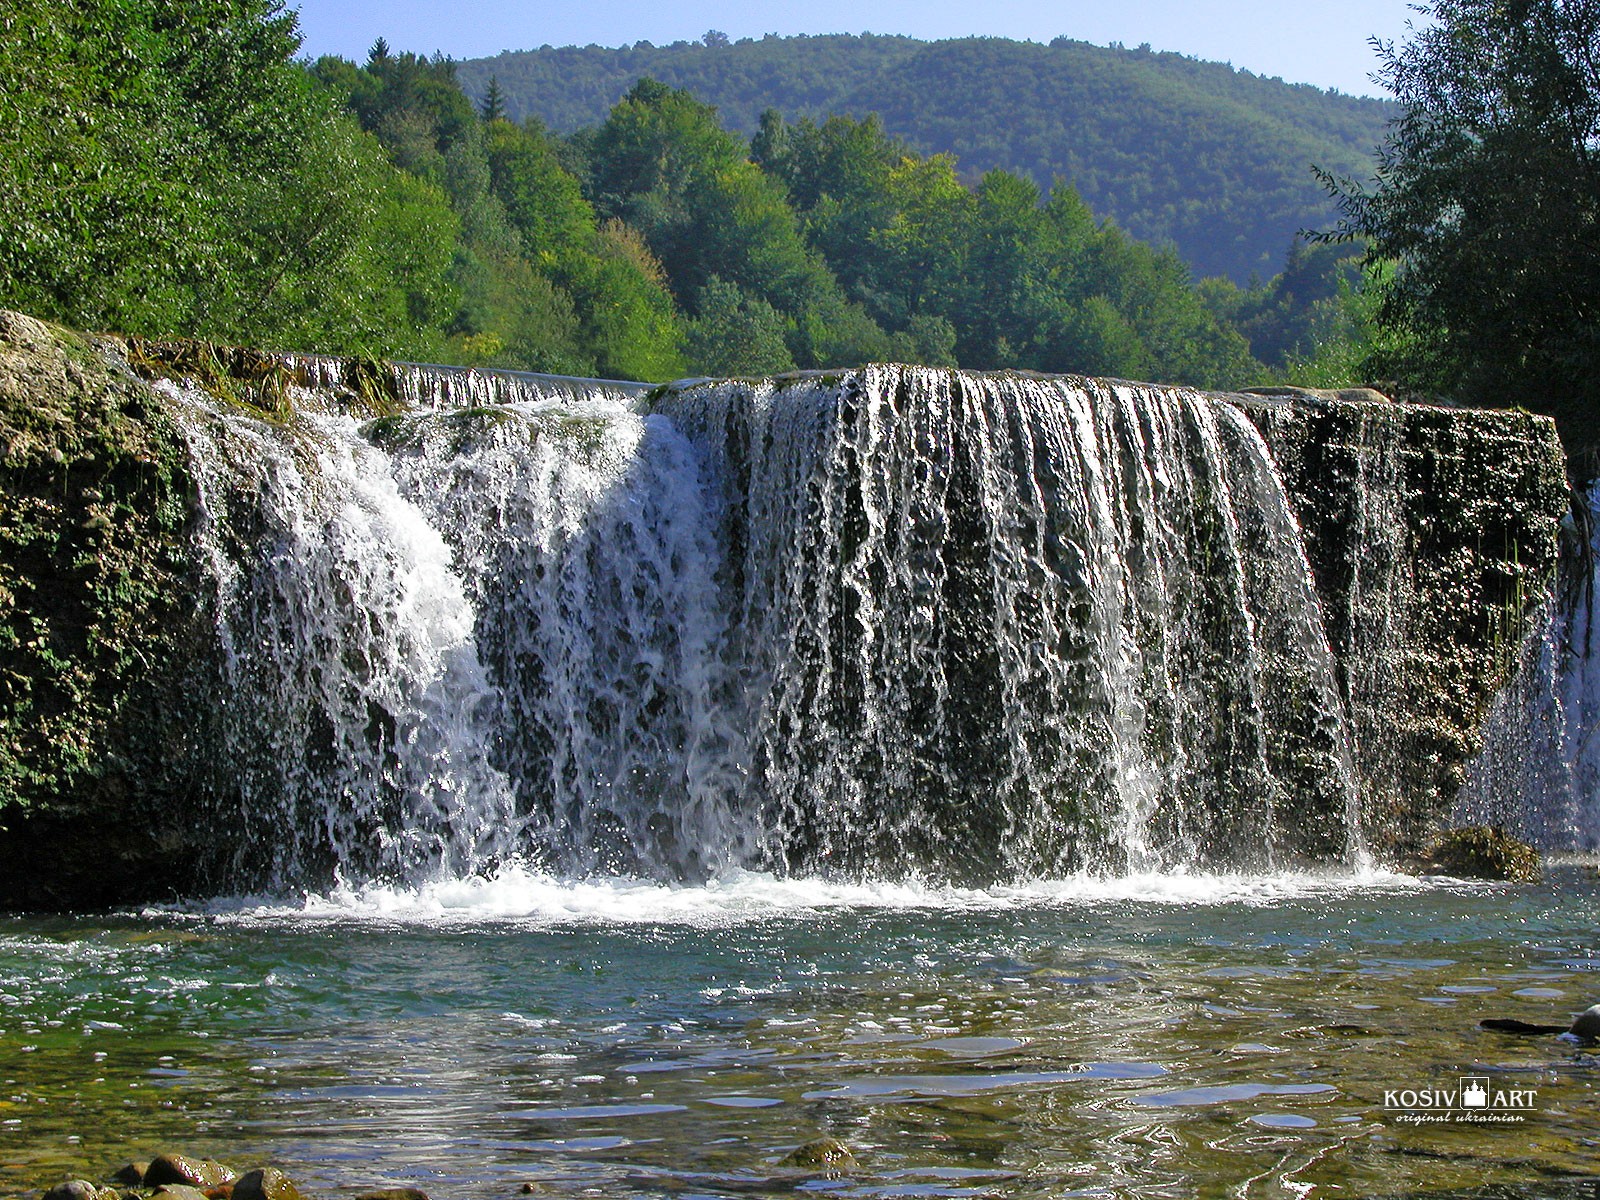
{"x":1213,"y":160}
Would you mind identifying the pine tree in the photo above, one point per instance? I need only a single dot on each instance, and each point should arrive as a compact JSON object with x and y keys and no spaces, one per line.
{"x":493,"y":107}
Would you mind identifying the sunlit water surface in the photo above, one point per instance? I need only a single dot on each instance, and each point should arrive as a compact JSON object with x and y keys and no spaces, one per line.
{"x":1176,"y":1037}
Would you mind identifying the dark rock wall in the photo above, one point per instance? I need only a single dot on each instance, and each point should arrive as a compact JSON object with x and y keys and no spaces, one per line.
{"x":1432,"y":536}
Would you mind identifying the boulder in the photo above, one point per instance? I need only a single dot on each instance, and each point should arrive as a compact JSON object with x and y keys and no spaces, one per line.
{"x":1479,"y":852}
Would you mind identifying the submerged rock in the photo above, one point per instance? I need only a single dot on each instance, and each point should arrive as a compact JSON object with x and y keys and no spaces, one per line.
{"x":399,"y":1193}
{"x":183,"y":1191}
{"x":79,"y":1189}
{"x":827,"y":1153}
{"x":1587,"y":1025}
{"x":1480,"y":852}
{"x":130,"y":1174}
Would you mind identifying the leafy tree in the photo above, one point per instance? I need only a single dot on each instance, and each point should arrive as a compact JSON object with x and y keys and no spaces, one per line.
{"x":736,"y":333}
{"x":928,"y":236}
{"x":1298,"y":311}
{"x":1487,"y":203}
{"x":171,"y":168}
{"x":662,"y":164}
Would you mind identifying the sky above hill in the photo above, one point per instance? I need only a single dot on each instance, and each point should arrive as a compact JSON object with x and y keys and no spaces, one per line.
{"x":1314,"y":41}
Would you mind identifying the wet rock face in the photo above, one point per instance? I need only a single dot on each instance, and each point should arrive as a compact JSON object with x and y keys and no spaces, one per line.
{"x":95,"y":613}
{"x":1432,"y":537}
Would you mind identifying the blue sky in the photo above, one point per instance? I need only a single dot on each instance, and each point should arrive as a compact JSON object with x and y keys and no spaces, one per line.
{"x":1308,"y":42}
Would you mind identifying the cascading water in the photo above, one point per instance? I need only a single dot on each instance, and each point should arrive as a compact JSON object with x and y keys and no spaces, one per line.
{"x":353,"y":712}
{"x":1019,"y":626}
{"x":908,"y":623}
{"x":1539,"y":773}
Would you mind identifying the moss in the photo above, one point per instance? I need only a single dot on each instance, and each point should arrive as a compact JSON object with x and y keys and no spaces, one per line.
{"x":1480,"y":852}
{"x":260,"y":382}
{"x":94,"y":509}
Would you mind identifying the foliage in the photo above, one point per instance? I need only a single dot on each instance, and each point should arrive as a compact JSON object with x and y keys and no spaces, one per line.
{"x":1214,"y":160}
{"x":94,"y":511}
{"x":1487,"y":202}
{"x":736,"y":333}
{"x":1016,"y":280}
{"x":169,"y":167}
{"x":206,"y":183}
{"x":541,"y":284}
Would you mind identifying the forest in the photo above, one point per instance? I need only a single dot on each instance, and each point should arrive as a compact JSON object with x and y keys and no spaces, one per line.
{"x":178,"y":169}
{"x":1176,"y":150}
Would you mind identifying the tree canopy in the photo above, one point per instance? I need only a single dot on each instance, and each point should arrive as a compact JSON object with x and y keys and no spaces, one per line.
{"x":1487,"y":205}
{"x":175,"y":169}
{"x":1211,"y":159}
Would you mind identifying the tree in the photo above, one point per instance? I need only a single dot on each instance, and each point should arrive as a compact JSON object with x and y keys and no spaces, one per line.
{"x":736,"y":333}
{"x":1487,"y":203}
{"x":493,"y":107}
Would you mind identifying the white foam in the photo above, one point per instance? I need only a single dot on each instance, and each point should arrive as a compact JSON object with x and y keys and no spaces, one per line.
{"x":516,"y":895}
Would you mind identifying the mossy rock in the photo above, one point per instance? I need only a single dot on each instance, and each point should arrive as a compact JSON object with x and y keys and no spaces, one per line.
{"x":97,"y":616}
{"x":1480,"y":852}
{"x":826,"y":1153}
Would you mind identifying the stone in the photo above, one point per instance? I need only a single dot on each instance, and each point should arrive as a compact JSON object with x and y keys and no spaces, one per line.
{"x":73,"y":1189}
{"x":828,"y":1153}
{"x":180,"y":1191}
{"x":404,"y":1193}
{"x":1480,"y":852}
{"x":1587,"y":1026}
{"x":200,"y":1173}
{"x":265,"y":1183}
{"x":130,"y":1174}
{"x":1432,"y":535}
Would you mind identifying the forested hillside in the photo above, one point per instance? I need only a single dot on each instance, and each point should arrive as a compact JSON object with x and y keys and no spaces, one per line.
{"x":1216,"y":161}
{"x":168,"y":176}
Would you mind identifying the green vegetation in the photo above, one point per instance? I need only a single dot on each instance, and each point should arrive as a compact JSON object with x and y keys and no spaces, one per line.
{"x":94,"y":516}
{"x":180,"y":172}
{"x":1214,"y":161}
{"x":1487,"y":209}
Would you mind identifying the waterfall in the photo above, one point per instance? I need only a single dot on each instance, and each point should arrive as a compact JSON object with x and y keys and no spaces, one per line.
{"x":1539,"y":773}
{"x":899,"y":622}
{"x":1020,"y":626}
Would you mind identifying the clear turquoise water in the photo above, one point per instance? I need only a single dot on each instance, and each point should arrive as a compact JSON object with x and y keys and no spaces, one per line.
{"x":1156,"y":1037}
